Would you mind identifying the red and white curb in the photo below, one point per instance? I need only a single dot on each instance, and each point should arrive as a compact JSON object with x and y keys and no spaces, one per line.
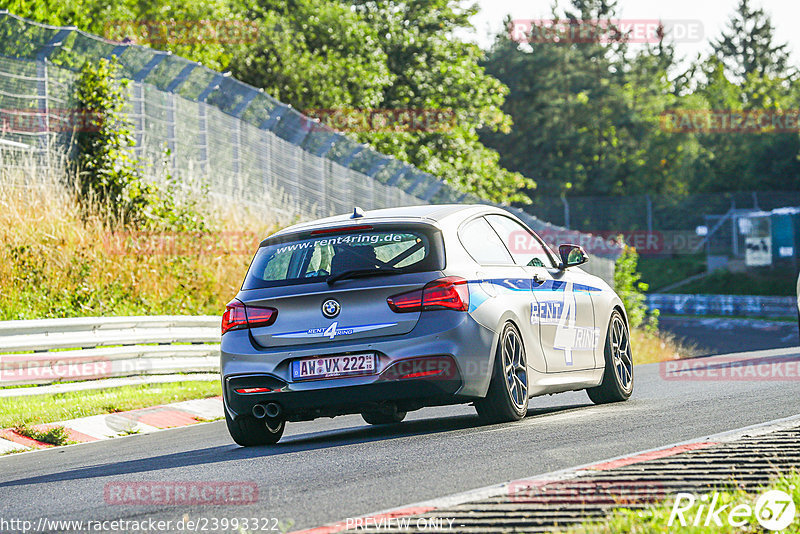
{"x":538,"y":481}
{"x":112,"y":425}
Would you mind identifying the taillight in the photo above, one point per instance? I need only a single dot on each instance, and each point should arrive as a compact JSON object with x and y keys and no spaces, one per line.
{"x":260,"y":316}
{"x":449,"y":293}
{"x":238,"y":316}
{"x":234,"y":316}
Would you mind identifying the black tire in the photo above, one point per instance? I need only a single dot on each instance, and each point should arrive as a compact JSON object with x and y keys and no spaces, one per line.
{"x":383,"y":418}
{"x":507,"y":398}
{"x":252,"y":432}
{"x":617,"y":382}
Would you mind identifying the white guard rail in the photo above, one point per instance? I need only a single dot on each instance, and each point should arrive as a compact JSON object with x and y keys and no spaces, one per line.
{"x":58,"y":350}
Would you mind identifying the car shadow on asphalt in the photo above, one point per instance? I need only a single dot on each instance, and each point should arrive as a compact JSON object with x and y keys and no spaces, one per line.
{"x":290,"y":444}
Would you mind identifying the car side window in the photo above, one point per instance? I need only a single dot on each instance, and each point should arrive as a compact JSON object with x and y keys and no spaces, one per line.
{"x":525,"y":247}
{"x":483,"y":243}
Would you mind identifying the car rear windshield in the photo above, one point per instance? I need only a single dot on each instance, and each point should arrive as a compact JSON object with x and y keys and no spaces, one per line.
{"x":314,"y":258}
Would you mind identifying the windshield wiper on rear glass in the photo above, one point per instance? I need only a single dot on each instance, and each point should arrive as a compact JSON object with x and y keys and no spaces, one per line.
{"x":357,"y":273}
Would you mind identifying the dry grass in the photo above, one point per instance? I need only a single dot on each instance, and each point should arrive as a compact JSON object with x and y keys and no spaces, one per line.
{"x":56,"y":263}
{"x":649,"y":347}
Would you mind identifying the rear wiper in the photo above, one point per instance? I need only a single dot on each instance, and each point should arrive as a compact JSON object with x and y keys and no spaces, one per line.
{"x":357,"y":273}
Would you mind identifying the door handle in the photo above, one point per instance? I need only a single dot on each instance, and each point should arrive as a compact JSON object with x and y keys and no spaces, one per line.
{"x":538,"y":279}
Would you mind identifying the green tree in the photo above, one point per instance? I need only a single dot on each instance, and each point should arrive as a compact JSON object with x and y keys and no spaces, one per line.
{"x":314,"y":54}
{"x":747,"y":46}
{"x":434,"y":70}
{"x":748,"y":72}
{"x":587,"y":115}
{"x":146,"y":23}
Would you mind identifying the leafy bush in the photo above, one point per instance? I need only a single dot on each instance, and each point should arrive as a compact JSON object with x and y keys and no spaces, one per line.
{"x":108,"y":174}
{"x":628,"y":285}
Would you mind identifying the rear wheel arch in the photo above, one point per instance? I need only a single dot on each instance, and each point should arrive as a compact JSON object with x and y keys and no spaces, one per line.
{"x":505,"y":401}
{"x":505,"y":319}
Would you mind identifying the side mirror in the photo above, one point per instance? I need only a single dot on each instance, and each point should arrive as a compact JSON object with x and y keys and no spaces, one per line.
{"x":572,"y":256}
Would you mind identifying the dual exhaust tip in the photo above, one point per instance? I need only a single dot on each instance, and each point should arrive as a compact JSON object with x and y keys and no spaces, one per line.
{"x":271,"y":410}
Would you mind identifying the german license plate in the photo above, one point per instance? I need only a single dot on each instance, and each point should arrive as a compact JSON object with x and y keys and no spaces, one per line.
{"x":333,"y":366}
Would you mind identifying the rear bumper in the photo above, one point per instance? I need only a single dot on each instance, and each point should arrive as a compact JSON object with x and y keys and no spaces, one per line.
{"x":443,"y":335}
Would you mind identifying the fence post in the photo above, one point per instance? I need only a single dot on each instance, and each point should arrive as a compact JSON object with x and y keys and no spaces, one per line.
{"x":171,"y":144}
{"x":43,"y":108}
{"x":734,"y":229}
{"x":566,"y":210}
{"x":202,"y":134}
{"x":139,"y":113}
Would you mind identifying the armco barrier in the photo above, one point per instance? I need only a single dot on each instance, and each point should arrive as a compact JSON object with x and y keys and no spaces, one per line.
{"x":727,"y":305}
{"x":55,"y":350}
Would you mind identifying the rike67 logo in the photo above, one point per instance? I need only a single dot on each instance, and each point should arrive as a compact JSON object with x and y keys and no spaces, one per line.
{"x":774,"y":510}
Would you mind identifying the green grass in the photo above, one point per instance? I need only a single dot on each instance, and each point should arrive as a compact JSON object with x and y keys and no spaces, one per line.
{"x":39,"y":409}
{"x":54,"y":436}
{"x":661,"y":271}
{"x":656,"y":517}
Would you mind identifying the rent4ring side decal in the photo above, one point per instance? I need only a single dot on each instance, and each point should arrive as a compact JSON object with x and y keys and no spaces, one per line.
{"x":562,"y":313}
{"x":526,"y":284}
{"x":555,"y":305}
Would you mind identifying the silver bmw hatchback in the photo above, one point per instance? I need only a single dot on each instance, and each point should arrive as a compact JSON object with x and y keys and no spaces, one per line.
{"x":383,"y":312}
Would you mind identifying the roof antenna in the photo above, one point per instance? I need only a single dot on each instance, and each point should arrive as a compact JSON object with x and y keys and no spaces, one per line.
{"x":357,"y":213}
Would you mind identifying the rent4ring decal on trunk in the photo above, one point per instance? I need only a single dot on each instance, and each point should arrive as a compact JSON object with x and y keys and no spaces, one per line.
{"x":333,"y":330}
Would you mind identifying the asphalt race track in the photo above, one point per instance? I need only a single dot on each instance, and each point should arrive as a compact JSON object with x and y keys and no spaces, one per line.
{"x":723,"y":336}
{"x":328,"y":470}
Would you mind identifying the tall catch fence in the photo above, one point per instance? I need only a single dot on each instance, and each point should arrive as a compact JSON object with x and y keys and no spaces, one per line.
{"x":217,"y":134}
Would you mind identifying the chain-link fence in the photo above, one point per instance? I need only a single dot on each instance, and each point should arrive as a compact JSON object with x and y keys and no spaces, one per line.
{"x":217,"y":134}
{"x":652,"y":212}
{"x":699,"y":223}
